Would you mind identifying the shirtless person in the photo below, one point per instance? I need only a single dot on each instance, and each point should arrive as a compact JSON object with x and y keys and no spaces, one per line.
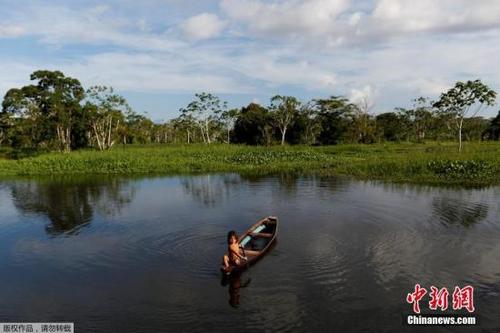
{"x":233,"y":256}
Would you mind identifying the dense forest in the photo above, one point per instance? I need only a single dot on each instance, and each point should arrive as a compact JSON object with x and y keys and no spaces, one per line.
{"x":57,"y":113}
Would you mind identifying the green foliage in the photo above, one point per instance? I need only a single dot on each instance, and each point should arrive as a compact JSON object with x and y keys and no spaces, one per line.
{"x":269,"y":157}
{"x":458,"y":169}
{"x":333,"y":114}
{"x":464,"y":95}
{"x":253,"y":126}
{"x":463,"y":98}
{"x":493,"y":130}
{"x":433,"y":163}
{"x":48,"y":110}
{"x":389,"y":126}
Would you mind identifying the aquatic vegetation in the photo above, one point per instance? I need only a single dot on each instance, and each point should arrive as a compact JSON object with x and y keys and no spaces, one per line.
{"x":461,"y":169}
{"x":477,"y":164}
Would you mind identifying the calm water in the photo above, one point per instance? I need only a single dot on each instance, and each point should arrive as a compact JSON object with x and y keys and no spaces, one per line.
{"x":142,"y":255}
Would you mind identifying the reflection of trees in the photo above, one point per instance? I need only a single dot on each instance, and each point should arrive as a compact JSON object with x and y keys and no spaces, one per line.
{"x":210,"y":189}
{"x":459,"y":212}
{"x":213,"y":189}
{"x":71,"y":202}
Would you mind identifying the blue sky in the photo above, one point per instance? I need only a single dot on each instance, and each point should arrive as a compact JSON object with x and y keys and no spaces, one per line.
{"x":158,"y":53}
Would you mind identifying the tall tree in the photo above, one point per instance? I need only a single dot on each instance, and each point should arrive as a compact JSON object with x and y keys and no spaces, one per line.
{"x":306,"y":126}
{"x":253,"y":126}
{"x":284,"y":109}
{"x":139,"y":128}
{"x":205,"y":109}
{"x":422,"y":117}
{"x":59,"y":97}
{"x":332,"y":115}
{"x":21,"y":120}
{"x":185,"y":123}
{"x":106,"y":111}
{"x":465,"y":99}
{"x":53,"y":101}
{"x":228,"y":118}
{"x":389,"y":126}
{"x":362,"y":125}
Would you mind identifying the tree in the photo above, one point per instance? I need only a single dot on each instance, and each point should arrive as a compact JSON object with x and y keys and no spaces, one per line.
{"x":59,"y":97}
{"x":306,"y":126}
{"x":332,"y":115}
{"x":422,"y":117}
{"x":283,"y":109}
{"x":163,"y":133}
{"x":463,"y":99}
{"x":53,"y":103}
{"x":139,"y":128}
{"x":475,"y":128}
{"x":389,"y":126}
{"x":106,"y":112}
{"x":21,"y":120}
{"x":418,"y":122}
{"x":362,"y":125}
{"x":253,"y":126}
{"x":228,"y":118}
{"x":493,"y":131}
{"x":204,"y":109}
{"x":185,"y":123}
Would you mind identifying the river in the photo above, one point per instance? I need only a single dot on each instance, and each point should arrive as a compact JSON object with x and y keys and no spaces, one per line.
{"x":142,"y":254}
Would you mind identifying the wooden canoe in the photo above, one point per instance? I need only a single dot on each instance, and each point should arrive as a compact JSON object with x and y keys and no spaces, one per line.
{"x":255,"y":242}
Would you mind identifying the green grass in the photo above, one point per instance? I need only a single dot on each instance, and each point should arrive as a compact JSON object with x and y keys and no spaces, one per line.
{"x":430,"y":163}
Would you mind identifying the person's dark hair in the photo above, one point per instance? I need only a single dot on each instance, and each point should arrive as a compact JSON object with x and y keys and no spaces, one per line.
{"x":230,"y":235}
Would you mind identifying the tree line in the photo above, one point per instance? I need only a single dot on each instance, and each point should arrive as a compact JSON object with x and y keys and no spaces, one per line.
{"x":57,"y":113}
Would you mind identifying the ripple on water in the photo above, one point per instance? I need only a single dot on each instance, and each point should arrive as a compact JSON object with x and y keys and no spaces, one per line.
{"x":197,"y":252}
{"x":324,"y":265}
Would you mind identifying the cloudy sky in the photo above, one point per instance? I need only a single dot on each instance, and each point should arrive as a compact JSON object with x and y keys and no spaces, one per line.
{"x":158,"y":53}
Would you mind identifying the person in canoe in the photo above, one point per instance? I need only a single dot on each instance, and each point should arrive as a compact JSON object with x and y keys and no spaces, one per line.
{"x":234,"y":256}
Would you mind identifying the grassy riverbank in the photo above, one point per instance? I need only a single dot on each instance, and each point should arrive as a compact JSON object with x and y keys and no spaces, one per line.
{"x":431,"y":163}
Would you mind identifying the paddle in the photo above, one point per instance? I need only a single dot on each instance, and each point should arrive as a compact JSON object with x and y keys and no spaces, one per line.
{"x":245,"y":255}
{"x":246,"y":261}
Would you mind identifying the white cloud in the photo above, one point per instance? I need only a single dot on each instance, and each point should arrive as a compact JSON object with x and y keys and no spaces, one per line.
{"x":151,"y":72}
{"x":431,"y":15}
{"x":58,"y":26}
{"x":277,"y":68}
{"x":332,"y":23}
{"x":9,"y":31}
{"x":202,"y":26}
{"x":364,"y":97}
{"x":285,"y":18}
{"x":429,"y":86}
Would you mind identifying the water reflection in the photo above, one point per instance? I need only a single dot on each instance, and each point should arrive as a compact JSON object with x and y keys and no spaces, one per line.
{"x":234,"y":285}
{"x":452,"y":211}
{"x":210,"y":189}
{"x":70,"y":203}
